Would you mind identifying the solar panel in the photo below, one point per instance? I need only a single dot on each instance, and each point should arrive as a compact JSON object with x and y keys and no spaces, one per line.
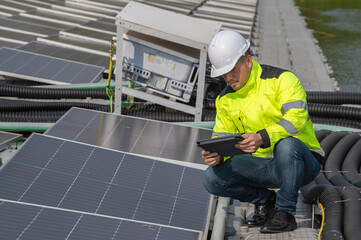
{"x":8,"y":43}
{"x":66,"y":53}
{"x":131,"y":134}
{"x":62,"y":174}
{"x":27,"y":221}
{"x":16,"y":63}
{"x":28,"y":27}
{"x":7,"y":139}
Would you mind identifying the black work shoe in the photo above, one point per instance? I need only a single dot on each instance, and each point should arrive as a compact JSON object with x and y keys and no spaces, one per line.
{"x":262,"y":211}
{"x":279,"y":221}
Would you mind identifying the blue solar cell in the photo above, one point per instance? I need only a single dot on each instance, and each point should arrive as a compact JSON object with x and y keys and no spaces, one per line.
{"x":78,"y":177}
{"x":46,"y":69}
{"x":29,"y":222}
{"x":130,"y":134}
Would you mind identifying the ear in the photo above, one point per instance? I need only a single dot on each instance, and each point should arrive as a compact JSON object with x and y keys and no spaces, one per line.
{"x":249,"y":60}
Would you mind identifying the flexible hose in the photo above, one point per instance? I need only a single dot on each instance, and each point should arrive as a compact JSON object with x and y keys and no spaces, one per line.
{"x":20,"y":105}
{"x":321,"y":134}
{"x":333,"y":209}
{"x":31,"y":116}
{"x":351,"y":165}
{"x":336,"y":157}
{"x":329,"y":142}
{"x":331,"y":201}
{"x":334,"y":111}
{"x":333,"y":97}
{"x":352,"y":213}
{"x":337,"y":122}
{"x":50,"y":93}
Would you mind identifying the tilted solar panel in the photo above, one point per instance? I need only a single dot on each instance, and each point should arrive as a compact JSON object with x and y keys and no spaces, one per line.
{"x":16,"y":63}
{"x":34,"y":222}
{"x":62,"y":174}
{"x":131,"y":134}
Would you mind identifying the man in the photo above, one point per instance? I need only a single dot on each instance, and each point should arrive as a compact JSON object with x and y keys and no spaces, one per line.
{"x":267,"y":106}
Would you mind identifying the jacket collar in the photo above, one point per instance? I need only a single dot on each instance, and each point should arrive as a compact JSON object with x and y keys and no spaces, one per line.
{"x":255,"y":73}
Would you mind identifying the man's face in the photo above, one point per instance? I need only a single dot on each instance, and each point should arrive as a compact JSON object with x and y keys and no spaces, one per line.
{"x":239,"y":75}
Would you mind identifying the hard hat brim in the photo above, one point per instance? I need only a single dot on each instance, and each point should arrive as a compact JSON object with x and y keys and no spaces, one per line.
{"x":220,"y":71}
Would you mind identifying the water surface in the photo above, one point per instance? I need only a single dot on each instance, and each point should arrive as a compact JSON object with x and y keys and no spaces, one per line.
{"x":337,"y":27}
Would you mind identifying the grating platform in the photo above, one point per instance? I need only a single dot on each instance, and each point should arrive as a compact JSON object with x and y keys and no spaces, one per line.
{"x":237,"y":230}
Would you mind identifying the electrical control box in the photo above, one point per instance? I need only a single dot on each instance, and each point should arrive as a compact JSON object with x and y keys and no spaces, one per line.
{"x":161,"y":71}
{"x":165,"y":54}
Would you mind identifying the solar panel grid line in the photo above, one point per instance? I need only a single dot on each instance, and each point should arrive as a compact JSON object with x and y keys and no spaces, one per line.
{"x":83,"y":128}
{"x":131,"y":149}
{"x":161,"y":151}
{"x":116,"y":231}
{"x":21,"y":234}
{"x":44,"y":68}
{"x":152,"y":194}
{"x":40,"y":172}
{"x":76,"y":177}
{"x":141,"y":195}
{"x":109,"y":137}
{"x":157,"y":139}
{"x":57,"y":224}
{"x":175,"y":200}
{"x":96,"y":215}
{"x":159,"y":159}
{"x":81,"y":216}
{"x":111,"y":182}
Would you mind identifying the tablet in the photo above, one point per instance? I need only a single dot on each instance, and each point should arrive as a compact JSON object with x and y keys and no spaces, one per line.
{"x":224,"y":146}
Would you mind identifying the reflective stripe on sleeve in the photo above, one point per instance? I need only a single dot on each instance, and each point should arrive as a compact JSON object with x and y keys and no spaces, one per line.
{"x":294,"y":104}
{"x":288,"y":126}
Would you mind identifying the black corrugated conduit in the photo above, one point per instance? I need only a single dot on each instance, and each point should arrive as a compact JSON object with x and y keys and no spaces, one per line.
{"x":21,"y":105}
{"x":332,"y":204}
{"x":337,"y":122}
{"x":351,"y":164}
{"x":340,"y":147}
{"x":337,"y":98}
{"x":321,"y":134}
{"x":337,"y":155}
{"x":320,"y":113}
{"x":331,"y":201}
{"x":334,"y":111}
{"x":329,"y":142}
{"x":32,"y":116}
{"x":7,"y":90}
{"x":352,"y":213}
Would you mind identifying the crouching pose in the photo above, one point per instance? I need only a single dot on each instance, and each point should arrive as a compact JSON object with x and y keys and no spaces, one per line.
{"x":267,"y":106}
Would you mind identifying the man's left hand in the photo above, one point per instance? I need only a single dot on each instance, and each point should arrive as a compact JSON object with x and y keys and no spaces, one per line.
{"x":251,"y":142}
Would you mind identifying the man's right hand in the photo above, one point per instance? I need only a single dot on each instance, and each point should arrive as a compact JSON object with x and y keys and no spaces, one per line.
{"x":211,"y":159}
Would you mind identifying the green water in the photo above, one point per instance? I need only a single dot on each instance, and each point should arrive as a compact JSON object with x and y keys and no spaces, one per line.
{"x":337,"y":27}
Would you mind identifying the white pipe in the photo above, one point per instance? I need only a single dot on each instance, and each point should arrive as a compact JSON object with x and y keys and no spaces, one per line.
{"x":220,"y":218}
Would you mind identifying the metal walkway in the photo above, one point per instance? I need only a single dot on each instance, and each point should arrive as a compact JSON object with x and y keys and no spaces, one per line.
{"x":284,"y":41}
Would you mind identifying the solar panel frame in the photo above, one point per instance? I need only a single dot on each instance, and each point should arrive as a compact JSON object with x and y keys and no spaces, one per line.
{"x":66,"y":53}
{"x":131,"y":134}
{"x":58,"y":175}
{"x":31,"y":221}
{"x":7,"y":138}
{"x":25,"y":65}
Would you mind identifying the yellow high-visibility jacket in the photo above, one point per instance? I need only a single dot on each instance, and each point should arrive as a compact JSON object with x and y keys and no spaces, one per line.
{"x":271,"y":103}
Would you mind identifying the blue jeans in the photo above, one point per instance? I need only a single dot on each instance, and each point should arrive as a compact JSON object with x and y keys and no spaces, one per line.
{"x":247,"y":178}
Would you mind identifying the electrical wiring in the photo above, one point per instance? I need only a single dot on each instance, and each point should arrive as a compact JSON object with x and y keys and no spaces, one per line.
{"x":322,"y":222}
{"x":110,"y":91}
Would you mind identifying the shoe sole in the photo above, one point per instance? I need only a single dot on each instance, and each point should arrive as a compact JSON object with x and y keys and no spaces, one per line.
{"x":290,"y":228}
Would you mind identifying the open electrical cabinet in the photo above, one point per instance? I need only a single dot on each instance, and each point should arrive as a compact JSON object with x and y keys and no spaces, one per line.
{"x":164,"y":54}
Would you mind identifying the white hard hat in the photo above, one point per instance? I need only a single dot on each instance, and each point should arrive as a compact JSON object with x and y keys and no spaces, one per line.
{"x":224,"y":50}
